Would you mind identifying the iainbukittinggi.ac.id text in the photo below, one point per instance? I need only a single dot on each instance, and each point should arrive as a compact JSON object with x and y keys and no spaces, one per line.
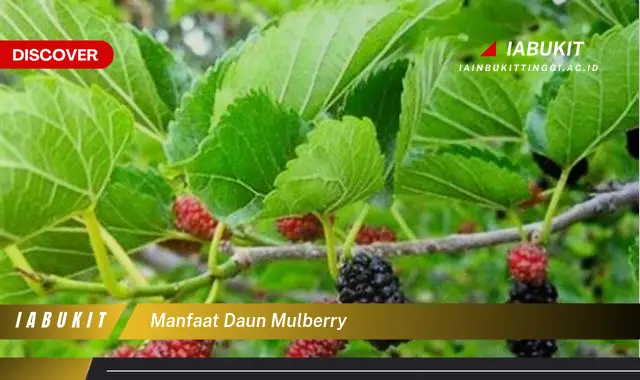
{"x":512,"y":67}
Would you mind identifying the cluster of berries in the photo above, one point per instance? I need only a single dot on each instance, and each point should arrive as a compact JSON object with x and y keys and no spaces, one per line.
{"x":363,"y":279}
{"x":307,"y":228}
{"x":166,"y":349}
{"x":370,"y":235}
{"x":528,"y":265}
{"x":312,"y":348}
{"x":202,"y":349}
{"x":192,"y":217}
{"x":315,"y":348}
{"x":300,"y":228}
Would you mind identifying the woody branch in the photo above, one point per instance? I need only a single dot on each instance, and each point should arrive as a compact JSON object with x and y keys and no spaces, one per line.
{"x":608,"y":201}
{"x":242,"y":257}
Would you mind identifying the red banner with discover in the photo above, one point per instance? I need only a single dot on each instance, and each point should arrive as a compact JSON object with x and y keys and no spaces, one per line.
{"x":55,"y":54}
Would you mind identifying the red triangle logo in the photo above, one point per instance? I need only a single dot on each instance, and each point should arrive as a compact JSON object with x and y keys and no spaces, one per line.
{"x":491,"y":50}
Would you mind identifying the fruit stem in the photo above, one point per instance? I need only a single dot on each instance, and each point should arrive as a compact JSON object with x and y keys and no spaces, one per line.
{"x":123,"y":258}
{"x":100,"y":254}
{"x":329,"y":239}
{"x":125,"y":261}
{"x":21,"y":264}
{"x":215,"y":246}
{"x":213,"y":260}
{"x":555,"y":200}
{"x":347,"y":247}
{"x":402,"y":222}
{"x":515,"y":218}
{"x":213,"y":293}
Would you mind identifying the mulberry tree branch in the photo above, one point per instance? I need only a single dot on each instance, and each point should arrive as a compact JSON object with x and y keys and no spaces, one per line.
{"x":164,"y":260}
{"x":604,"y":202}
{"x":241,"y":257}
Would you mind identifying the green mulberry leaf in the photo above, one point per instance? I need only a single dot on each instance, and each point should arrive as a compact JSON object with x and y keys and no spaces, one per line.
{"x":136,"y":210}
{"x":193,"y":119}
{"x":442,"y":105}
{"x":171,"y":76}
{"x":59,"y":145}
{"x":463,"y":173}
{"x":340,"y":164}
{"x":243,"y":155}
{"x":379,"y":99}
{"x":612,"y":12}
{"x":127,"y":78}
{"x":63,"y":250}
{"x":316,"y":54}
{"x":592,"y":105}
{"x":136,"y":207}
{"x":486,"y":21}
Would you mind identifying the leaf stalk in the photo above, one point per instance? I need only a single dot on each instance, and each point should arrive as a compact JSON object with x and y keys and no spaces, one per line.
{"x":213,"y":293}
{"x":214,"y":248}
{"x":123,"y":258}
{"x":515,"y":219}
{"x":404,"y":226}
{"x":100,"y":254}
{"x":330,"y":242}
{"x":553,"y":205}
{"x":347,"y":248}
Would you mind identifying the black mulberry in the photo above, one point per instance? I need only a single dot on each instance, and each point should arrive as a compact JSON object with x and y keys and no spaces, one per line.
{"x":370,"y":279}
{"x":533,"y":348}
{"x":522,"y":292}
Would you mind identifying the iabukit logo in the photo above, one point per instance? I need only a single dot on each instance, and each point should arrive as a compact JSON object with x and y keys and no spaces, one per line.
{"x":560,"y":51}
{"x":555,"y":48}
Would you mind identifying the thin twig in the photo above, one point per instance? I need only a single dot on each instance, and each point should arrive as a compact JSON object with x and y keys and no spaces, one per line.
{"x":600,"y":203}
{"x":164,"y":260}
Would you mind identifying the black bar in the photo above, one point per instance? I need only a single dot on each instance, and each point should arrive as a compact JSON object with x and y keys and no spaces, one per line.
{"x":354,"y":368}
